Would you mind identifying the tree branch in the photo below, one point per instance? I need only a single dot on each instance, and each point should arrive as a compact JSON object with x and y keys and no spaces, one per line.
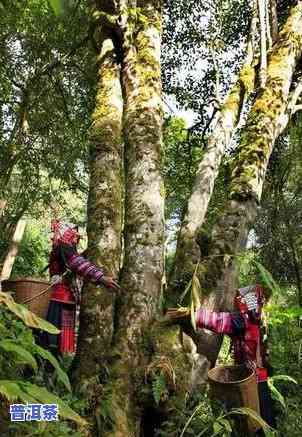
{"x":273,"y":19}
{"x":268,"y":26}
{"x":263,"y":54}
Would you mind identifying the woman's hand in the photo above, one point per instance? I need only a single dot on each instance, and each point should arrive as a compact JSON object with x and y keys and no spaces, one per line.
{"x":176,"y":316}
{"x":110,"y":283}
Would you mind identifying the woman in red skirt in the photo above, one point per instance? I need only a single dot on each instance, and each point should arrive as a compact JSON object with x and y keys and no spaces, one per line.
{"x":247,"y":333}
{"x":65,"y":266}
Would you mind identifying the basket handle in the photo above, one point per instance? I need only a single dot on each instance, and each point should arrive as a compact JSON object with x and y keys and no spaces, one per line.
{"x":30,"y":299}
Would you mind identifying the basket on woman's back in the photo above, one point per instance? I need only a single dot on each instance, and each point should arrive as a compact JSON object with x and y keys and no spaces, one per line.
{"x":34,"y":293}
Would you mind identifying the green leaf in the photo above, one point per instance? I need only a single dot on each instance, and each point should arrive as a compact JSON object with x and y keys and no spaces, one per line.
{"x":158,"y":387}
{"x":203,"y":431}
{"x":27,"y":392}
{"x":29,"y":318}
{"x":186,"y":291}
{"x":267,"y":278}
{"x":253,"y":415}
{"x":199,"y":407}
{"x":193,"y":318}
{"x":196,"y":291}
{"x":226,"y":424}
{"x":47,"y":355}
{"x":44,"y":396}
{"x":277,"y":395}
{"x":57,"y":6}
{"x":283,"y":378}
{"x":26,"y":357}
{"x":12,"y":391}
{"x":217,"y":428}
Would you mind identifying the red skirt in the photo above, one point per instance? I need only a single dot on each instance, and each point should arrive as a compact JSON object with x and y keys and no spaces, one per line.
{"x":63,"y":317}
{"x":61,"y":292}
{"x":67,"y":335}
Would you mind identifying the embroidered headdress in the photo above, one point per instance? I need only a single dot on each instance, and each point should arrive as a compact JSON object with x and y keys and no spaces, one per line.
{"x":250,"y":298}
{"x":64,"y":233}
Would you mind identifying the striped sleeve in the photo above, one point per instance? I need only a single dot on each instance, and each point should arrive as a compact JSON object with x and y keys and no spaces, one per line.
{"x":81,"y":266}
{"x":221,"y":322}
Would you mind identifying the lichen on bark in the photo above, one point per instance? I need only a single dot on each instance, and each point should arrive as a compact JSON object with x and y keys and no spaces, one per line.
{"x":265,"y":117}
{"x":265,"y":120}
{"x":188,"y":251}
{"x":144,"y":215}
{"x":104,"y":214}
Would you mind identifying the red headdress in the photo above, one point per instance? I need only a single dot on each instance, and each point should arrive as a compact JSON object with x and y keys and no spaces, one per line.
{"x":250,"y":298}
{"x":64,"y":233}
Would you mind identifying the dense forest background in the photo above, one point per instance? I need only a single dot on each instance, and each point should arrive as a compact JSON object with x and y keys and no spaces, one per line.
{"x":82,"y":124}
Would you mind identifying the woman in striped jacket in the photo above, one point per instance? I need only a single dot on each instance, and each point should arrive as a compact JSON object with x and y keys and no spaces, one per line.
{"x":247,"y":332}
{"x":65,"y":264}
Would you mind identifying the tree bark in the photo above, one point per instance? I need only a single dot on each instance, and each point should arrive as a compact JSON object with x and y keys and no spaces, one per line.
{"x":187,"y":250}
{"x":121,"y":340}
{"x":268,"y":25}
{"x":263,"y":42}
{"x":104,"y":211}
{"x":13,"y":250}
{"x":2,"y":206}
{"x":273,"y":19}
{"x":266,"y":118}
{"x":144,"y":216}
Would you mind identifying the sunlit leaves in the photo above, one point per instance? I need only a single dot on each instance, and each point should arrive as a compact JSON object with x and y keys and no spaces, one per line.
{"x":27,"y":392}
{"x":23,"y":355}
{"x":57,"y":6}
{"x":29,"y":318}
{"x":276,"y":394}
{"x":62,"y":376}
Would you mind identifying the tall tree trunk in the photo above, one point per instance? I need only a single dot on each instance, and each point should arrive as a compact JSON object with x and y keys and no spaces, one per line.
{"x":2,"y":206}
{"x":187,"y":250}
{"x":263,"y":42}
{"x":144,"y":216}
{"x":218,"y":272}
{"x":273,"y":19}
{"x":104,"y":215}
{"x":136,"y":43}
{"x":13,"y":249}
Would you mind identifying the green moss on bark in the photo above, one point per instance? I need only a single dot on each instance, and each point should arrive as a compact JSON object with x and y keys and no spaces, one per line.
{"x":262,"y":126}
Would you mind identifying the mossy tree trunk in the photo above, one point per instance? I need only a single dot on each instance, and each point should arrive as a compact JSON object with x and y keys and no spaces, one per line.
{"x":225,"y":123}
{"x":104,"y":214}
{"x":135,"y":38}
{"x":129,"y":111}
{"x":264,"y":124}
{"x":144,"y":216}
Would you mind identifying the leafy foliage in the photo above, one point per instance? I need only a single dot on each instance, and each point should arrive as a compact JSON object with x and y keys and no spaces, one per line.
{"x":47,"y":63}
{"x":182,"y":153}
{"x":27,"y":392}
{"x":21,"y":357}
{"x":200,"y":47}
{"x":33,"y":252}
{"x":159,"y":388}
{"x":29,"y":318}
{"x":278,"y":225}
{"x":275,"y":392}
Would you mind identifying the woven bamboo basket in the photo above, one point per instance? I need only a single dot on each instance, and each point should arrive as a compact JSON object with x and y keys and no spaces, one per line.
{"x":35,"y":293}
{"x":235,"y":387}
